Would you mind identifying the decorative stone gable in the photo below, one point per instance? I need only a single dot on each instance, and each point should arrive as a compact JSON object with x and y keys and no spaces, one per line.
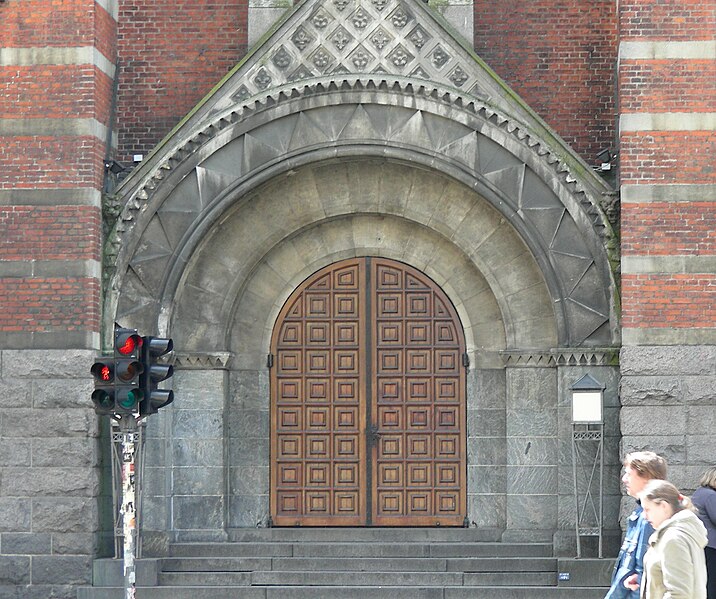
{"x":363,"y":36}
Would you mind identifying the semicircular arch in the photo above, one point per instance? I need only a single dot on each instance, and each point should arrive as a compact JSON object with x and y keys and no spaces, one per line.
{"x":554,"y":217}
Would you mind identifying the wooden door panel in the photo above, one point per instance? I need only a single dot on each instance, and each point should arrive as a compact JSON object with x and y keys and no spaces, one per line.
{"x":419,"y":403}
{"x":368,"y":434}
{"x":318,"y":452}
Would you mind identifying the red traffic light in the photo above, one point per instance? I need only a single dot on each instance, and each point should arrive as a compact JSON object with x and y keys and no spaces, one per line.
{"x":103,"y":372}
{"x":127,"y":343}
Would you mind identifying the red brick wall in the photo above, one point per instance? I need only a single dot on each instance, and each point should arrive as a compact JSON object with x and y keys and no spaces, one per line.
{"x":560,"y":56}
{"x":666,"y":86}
{"x":673,"y":20}
{"x":667,"y":157}
{"x":665,"y":294}
{"x":49,"y":233}
{"x":172,"y":54}
{"x":59,"y":154}
{"x":41,"y":304}
{"x":669,"y":228}
{"x":674,"y":301}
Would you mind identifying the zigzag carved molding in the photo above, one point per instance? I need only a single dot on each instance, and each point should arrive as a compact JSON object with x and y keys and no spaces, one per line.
{"x":560,"y":357}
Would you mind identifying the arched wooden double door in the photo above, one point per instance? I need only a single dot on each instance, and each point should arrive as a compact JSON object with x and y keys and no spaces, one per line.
{"x":368,"y":410}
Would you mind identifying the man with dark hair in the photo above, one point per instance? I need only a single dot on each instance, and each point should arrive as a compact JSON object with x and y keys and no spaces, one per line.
{"x":639,"y":468}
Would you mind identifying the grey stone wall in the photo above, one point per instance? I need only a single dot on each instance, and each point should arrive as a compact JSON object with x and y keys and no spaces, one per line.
{"x":668,"y":397}
{"x":486,"y":449}
{"x":50,"y":492}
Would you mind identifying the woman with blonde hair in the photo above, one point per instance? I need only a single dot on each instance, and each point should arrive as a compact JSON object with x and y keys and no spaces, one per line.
{"x":704,"y":499}
{"x":674,"y":564}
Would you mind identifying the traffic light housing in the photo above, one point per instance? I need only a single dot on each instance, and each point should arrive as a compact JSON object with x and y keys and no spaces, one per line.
{"x":103,"y":395}
{"x":153,"y":373}
{"x":127,"y":371}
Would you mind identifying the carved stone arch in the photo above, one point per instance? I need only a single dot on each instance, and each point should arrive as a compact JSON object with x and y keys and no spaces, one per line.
{"x":371,"y":78}
{"x":534,"y":195}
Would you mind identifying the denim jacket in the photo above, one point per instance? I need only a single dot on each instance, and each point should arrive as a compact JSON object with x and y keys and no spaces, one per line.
{"x":631,"y":555}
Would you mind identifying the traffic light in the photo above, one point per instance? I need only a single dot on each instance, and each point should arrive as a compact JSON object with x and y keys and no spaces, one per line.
{"x":153,"y":373}
{"x":103,"y":394}
{"x":127,"y":371}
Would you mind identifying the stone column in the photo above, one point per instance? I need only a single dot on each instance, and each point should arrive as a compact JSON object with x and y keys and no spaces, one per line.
{"x":248,"y":438}
{"x":532,"y":451}
{"x":184,"y":481}
{"x":486,"y":450}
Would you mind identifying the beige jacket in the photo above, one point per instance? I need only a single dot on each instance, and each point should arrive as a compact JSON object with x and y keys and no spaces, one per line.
{"x":675,"y":564}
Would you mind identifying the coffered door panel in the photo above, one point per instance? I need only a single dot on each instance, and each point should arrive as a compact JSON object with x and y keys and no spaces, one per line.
{"x":418,"y":402}
{"x":318,"y":451}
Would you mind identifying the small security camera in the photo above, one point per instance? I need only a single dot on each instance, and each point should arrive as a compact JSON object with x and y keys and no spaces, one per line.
{"x":114,"y":167}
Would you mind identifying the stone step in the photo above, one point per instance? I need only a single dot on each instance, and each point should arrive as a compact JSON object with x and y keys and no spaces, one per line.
{"x":356,"y":592}
{"x":362,"y":535}
{"x":499,"y":579}
{"x":300,"y":564}
{"x":366,"y":564}
{"x":316,"y":579}
{"x":342,"y":578}
{"x":360,"y":550}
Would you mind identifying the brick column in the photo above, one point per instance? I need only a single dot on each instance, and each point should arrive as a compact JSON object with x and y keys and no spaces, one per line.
{"x":56,"y":69}
{"x":667,"y":89}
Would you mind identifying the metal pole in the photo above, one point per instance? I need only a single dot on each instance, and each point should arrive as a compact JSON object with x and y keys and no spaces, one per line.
{"x":128,"y":428}
{"x":576,"y":491}
{"x":601,"y":487}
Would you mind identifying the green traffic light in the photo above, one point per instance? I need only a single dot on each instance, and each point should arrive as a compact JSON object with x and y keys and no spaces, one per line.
{"x":131,"y":400}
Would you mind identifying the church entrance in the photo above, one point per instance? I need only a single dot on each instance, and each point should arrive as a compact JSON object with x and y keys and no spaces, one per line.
{"x":368,"y":415}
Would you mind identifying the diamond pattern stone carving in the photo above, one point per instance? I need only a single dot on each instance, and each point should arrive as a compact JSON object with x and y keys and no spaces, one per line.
{"x":400,"y":17}
{"x":361,"y":19}
{"x":360,"y":36}
{"x":420,"y":72}
{"x":361,"y":58}
{"x":301,"y":38}
{"x":321,"y":19}
{"x":321,"y":58}
{"x":300,"y":73}
{"x":380,"y":38}
{"x":341,"y":38}
{"x":419,"y":37}
{"x":400,"y":57}
{"x":262,"y":79}
{"x":241,"y":94}
{"x":440,"y":57}
{"x":282,"y":59}
{"x":458,"y":76}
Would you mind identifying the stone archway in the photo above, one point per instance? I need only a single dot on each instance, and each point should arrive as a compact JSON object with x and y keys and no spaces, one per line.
{"x":279,"y":174}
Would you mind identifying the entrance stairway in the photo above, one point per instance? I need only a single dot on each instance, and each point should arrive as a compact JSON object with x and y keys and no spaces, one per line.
{"x":351,"y":563}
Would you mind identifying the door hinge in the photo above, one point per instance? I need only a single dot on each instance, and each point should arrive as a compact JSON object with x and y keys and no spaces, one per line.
{"x":466,"y":360}
{"x":269,"y":361}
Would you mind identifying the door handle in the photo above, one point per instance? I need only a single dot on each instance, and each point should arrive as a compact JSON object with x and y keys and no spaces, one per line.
{"x":373,"y":434}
